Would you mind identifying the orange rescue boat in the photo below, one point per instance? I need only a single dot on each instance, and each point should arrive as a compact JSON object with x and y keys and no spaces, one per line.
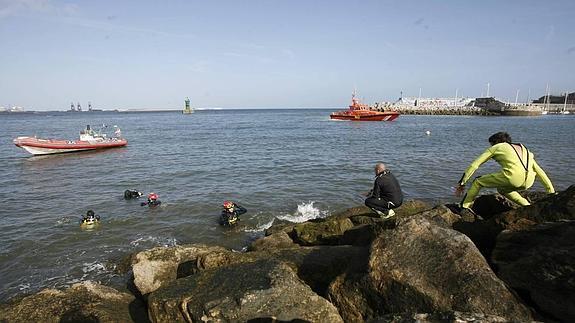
{"x":361,"y":112}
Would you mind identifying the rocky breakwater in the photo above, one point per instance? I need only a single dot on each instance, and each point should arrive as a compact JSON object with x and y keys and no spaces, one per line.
{"x":424,"y":265}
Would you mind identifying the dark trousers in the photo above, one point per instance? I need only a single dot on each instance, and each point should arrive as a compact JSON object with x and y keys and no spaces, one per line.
{"x":379,"y":204}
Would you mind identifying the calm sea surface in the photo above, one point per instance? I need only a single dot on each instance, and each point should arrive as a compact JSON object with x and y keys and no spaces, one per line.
{"x":287,"y":164}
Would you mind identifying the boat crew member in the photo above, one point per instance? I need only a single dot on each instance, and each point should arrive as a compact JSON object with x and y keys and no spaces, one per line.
{"x":231,"y":213}
{"x":518,"y":172}
{"x":386,"y":194}
{"x":132,"y":194}
{"x":90,"y":218}
{"x":152,"y":200}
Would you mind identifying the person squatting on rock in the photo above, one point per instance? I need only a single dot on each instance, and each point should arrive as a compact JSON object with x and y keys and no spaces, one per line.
{"x":386,"y":194}
{"x":231,"y":213}
{"x":518,"y":172}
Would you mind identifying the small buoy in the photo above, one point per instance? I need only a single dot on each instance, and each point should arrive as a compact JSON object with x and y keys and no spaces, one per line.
{"x":428,"y":133}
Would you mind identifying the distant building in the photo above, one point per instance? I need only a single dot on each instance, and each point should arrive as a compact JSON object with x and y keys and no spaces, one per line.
{"x":557,"y":99}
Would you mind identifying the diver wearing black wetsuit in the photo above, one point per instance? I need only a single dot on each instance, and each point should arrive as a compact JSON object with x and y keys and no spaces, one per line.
{"x":231,"y":213}
{"x":152,"y":200}
{"x":386,"y":194}
{"x":90,"y":217}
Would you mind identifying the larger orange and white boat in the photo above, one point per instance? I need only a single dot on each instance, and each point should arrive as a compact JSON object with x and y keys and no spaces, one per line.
{"x":89,"y":140}
{"x":361,"y":112}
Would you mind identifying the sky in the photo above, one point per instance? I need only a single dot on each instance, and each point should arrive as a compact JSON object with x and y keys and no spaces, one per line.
{"x":230,"y":54}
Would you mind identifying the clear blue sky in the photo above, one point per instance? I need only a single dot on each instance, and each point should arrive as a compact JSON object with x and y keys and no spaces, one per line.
{"x":152,"y":54}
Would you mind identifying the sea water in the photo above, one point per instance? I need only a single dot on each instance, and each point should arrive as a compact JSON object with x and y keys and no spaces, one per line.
{"x":290,"y":165}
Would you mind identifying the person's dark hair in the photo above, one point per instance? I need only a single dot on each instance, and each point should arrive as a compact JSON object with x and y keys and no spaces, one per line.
{"x":90,"y":213}
{"x":499,"y":138}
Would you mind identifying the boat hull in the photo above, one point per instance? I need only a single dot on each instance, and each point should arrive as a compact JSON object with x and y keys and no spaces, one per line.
{"x":365,"y":117}
{"x":37,"y":146}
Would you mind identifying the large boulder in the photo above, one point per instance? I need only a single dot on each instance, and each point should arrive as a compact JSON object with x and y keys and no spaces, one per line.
{"x":424,"y":267}
{"x":552,"y":207}
{"x":444,"y":317}
{"x":263,"y":290}
{"x":491,"y":204}
{"x":83,"y":302}
{"x":156,"y":267}
{"x":274,"y":241}
{"x":540,"y":264}
{"x":326,"y":232}
{"x":408,"y":208}
{"x":368,"y":228}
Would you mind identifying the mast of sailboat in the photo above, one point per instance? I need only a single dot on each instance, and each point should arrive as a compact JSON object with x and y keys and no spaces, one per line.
{"x":516,"y":96}
{"x":565,"y":102}
{"x":548,"y":98}
{"x":455,"y":102}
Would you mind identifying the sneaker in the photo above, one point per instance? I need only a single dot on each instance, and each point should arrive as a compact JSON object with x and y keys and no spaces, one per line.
{"x":385,"y":215}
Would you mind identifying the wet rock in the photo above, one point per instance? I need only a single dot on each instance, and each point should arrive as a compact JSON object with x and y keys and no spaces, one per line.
{"x":280,"y":226}
{"x":423,"y":267}
{"x":411,"y":207}
{"x":261,"y":290}
{"x":489,"y":205}
{"x":366,"y":219}
{"x":83,"y":302}
{"x":552,"y":208}
{"x":155,"y":267}
{"x":275,"y":241}
{"x":408,"y":208}
{"x":369,"y":228}
{"x":540,"y":264}
{"x":363,"y":235}
{"x":326,"y":232}
{"x":459,"y":317}
{"x":352,"y":293}
{"x":439,"y":214}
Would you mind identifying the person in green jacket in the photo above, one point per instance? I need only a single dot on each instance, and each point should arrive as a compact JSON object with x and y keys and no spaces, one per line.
{"x":518,"y":172}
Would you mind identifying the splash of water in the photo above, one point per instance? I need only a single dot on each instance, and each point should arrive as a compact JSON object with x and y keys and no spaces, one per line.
{"x":305,"y":212}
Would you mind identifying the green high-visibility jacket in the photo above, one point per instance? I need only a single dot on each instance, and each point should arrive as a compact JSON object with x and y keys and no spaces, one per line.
{"x":520,"y":172}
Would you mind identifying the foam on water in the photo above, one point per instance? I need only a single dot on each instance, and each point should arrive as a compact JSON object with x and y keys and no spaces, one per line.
{"x":305,"y":212}
{"x":94,"y":266}
{"x":261,"y":227}
{"x":157,"y":241}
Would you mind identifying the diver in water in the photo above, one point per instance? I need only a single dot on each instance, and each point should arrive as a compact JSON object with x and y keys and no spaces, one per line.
{"x":518,"y":172}
{"x":132,"y":194}
{"x":152,"y":200}
{"x":90,"y":218}
{"x":231,"y":213}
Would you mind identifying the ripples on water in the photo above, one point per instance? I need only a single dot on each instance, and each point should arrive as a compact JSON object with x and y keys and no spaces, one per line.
{"x":285,"y":164}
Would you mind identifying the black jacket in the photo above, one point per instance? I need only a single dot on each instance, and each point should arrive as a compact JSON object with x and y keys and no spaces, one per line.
{"x":230,"y":218}
{"x":387,"y":187}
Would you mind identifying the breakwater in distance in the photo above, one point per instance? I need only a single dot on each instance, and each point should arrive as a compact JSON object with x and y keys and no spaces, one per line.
{"x":478,"y":107}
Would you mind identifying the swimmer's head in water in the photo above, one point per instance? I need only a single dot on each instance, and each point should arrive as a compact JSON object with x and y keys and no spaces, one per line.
{"x":153,"y":196}
{"x":228,"y":205}
{"x":499,"y":137}
{"x":90,"y":213}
